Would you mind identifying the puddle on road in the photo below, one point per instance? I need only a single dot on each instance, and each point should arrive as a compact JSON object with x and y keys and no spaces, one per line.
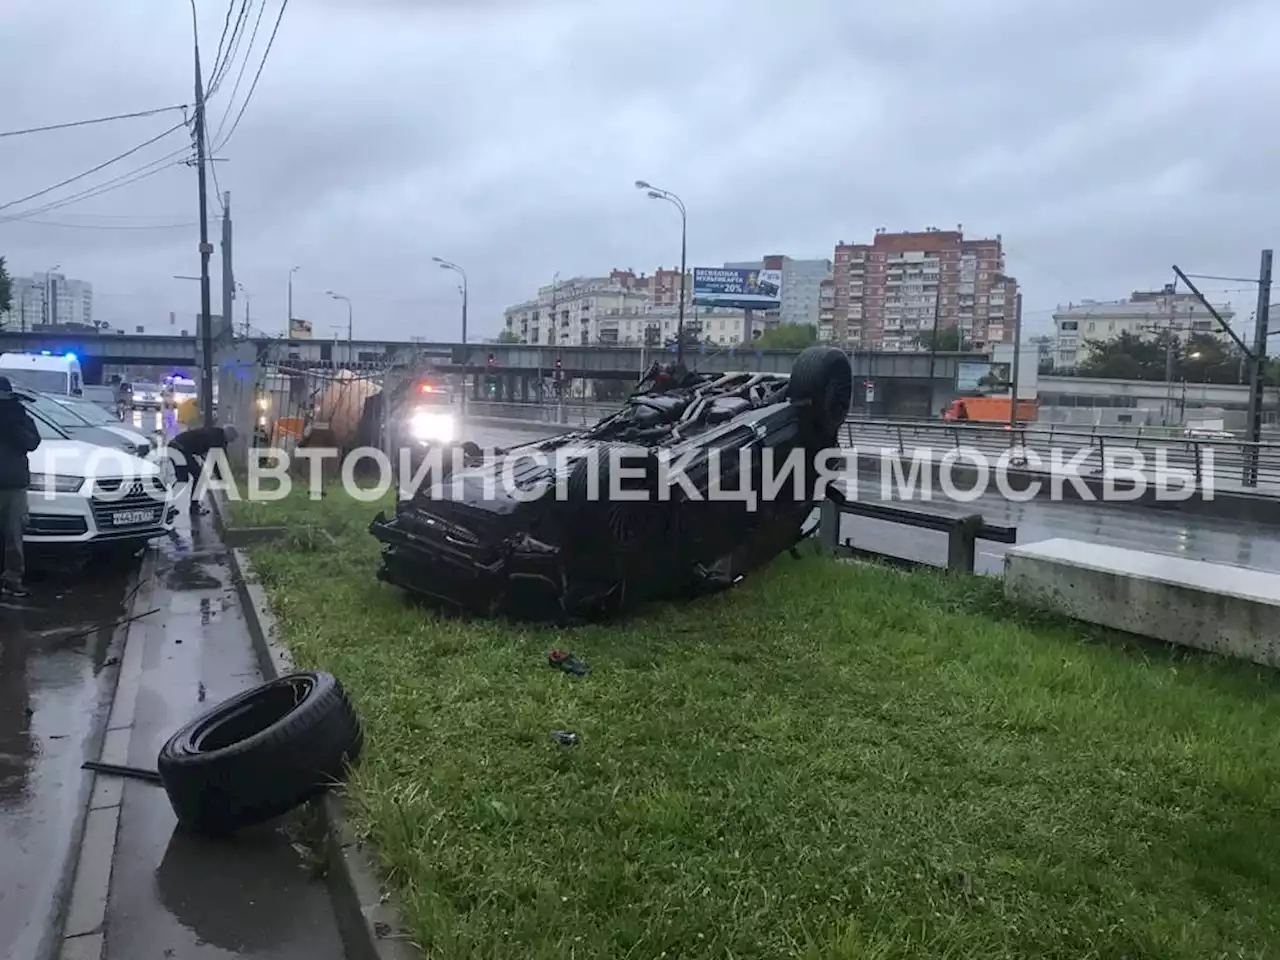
{"x":191,"y":573}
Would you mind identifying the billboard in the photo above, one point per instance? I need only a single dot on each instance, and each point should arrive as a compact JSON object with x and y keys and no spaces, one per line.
{"x":983,"y":378}
{"x":299,"y":329}
{"x":745,"y":289}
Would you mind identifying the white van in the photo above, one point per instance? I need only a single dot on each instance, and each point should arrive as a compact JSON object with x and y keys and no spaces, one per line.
{"x":44,"y":372}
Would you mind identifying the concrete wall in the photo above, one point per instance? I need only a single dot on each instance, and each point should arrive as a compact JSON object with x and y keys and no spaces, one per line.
{"x":1219,"y":608}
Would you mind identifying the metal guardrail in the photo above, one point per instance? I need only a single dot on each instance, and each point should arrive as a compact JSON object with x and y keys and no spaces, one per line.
{"x":963,"y":532}
{"x":1221,"y":462}
{"x":1224,"y":463}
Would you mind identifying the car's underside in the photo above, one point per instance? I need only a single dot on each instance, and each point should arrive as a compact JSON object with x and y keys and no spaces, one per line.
{"x":582,"y":525}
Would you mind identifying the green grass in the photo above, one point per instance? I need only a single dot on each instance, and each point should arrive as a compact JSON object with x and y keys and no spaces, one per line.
{"x":826,"y":762}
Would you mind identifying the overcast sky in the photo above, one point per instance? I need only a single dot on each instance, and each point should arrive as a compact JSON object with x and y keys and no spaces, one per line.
{"x":1103,"y":139}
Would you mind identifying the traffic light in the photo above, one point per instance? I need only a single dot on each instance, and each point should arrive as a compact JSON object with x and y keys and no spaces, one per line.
{"x":491,"y":360}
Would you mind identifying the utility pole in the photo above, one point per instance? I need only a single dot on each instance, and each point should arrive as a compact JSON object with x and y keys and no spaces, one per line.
{"x":1257,"y":357}
{"x":1017,"y":358}
{"x":228,"y":274}
{"x":1258,"y":371}
{"x":1170,"y":306}
{"x":206,"y":248}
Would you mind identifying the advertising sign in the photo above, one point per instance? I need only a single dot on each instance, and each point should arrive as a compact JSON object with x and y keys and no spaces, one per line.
{"x":982,"y":378}
{"x":744,"y":289}
{"x":299,"y":329}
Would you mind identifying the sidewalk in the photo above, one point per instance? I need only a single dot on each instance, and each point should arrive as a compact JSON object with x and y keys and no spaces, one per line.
{"x":142,"y":890}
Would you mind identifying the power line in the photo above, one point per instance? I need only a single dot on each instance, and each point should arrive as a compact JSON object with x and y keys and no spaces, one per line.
{"x":257,"y":76}
{"x":85,"y":123}
{"x":107,"y":226}
{"x":122,"y":180}
{"x":93,"y":170}
{"x":222,"y":65}
{"x":248,"y":54}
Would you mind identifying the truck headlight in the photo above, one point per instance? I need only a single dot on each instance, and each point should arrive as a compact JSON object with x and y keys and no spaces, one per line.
{"x":52,"y":482}
{"x":439,"y":427}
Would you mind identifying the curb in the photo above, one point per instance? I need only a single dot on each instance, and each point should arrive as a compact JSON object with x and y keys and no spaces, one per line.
{"x":78,"y":931}
{"x":368,"y":915}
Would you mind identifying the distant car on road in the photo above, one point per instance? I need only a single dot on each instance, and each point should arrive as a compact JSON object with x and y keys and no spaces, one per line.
{"x":147,"y":395}
{"x":107,"y":398}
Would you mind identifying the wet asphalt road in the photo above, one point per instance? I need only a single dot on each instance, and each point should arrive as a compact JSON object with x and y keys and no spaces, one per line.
{"x":52,"y":650}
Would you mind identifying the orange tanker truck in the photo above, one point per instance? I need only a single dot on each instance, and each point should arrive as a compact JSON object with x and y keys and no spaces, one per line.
{"x":990,"y":410}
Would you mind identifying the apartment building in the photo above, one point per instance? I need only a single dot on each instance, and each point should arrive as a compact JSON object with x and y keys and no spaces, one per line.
{"x":885,"y":294}
{"x":623,"y":308}
{"x":801,"y":285}
{"x":50,"y":298}
{"x":1144,"y":314}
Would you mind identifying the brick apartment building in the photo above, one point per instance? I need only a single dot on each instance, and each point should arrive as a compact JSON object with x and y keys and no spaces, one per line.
{"x":883,"y":295}
{"x":663,"y":287}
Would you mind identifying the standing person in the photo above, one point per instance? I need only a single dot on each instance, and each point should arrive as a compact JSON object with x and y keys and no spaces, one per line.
{"x":193,"y":448}
{"x":18,"y":437}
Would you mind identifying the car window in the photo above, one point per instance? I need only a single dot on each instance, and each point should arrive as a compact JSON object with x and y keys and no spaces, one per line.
{"x":46,"y":430}
{"x":55,"y":412}
{"x":50,"y":381}
{"x":89,"y":412}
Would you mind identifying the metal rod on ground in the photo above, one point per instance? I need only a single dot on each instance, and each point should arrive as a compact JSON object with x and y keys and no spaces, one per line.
{"x":206,"y":249}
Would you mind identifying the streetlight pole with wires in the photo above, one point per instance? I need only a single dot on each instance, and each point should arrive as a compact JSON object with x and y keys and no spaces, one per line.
{"x":347,"y":301}
{"x":466,"y":351}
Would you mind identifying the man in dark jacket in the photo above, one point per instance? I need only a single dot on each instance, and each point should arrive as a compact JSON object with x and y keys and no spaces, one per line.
{"x":191,"y":448}
{"x":18,"y":437}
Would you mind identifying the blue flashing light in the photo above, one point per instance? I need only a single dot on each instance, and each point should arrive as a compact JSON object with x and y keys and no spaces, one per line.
{"x":71,"y":357}
{"x":45,"y":353}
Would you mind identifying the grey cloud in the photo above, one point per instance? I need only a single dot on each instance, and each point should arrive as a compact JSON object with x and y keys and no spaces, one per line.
{"x":1103,"y":140}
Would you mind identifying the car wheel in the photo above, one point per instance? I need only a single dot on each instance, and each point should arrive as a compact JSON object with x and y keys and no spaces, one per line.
{"x":261,"y":753}
{"x":822,"y":377}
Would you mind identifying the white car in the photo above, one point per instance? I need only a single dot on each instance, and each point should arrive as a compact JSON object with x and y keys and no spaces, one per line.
{"x":83,"y":495}
{"x":147,"y":396}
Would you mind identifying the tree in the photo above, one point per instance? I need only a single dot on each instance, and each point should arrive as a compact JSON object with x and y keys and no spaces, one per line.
{"x":787,"y":336}
{"x":948,"y":340}
{"x":1202,"y":359}
{"x":6,"y":288}
{"x":508,"y":336}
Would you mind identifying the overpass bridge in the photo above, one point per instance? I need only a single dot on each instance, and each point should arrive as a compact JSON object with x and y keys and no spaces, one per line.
{"x":907,"y":384}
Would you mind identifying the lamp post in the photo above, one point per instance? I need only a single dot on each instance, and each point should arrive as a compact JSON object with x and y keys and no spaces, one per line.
{"x":241,"y":287}
{"x":347,"y":301}
{"x":289,"y":319}
{"x":656,"y":193}
{"x":466,"y":353}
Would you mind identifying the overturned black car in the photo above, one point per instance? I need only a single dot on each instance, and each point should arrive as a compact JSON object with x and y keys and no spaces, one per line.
{"x":675,"y":495}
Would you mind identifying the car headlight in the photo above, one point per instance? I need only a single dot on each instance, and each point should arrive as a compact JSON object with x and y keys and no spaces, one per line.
{"x":41,"y":482}
{"x":432,"y":426}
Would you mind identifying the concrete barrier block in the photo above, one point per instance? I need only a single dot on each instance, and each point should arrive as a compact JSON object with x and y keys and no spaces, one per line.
{"x":1224,"y":609}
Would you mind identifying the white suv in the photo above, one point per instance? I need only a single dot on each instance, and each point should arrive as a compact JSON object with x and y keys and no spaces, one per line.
{"x":89,"y":496}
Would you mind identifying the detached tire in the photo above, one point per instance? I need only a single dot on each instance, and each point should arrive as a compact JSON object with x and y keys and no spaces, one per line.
{"x":260,"y":754}
{"x":822,"y":377}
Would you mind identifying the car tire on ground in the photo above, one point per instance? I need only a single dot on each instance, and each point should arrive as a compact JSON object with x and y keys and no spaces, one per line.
{"x":822,"y":377}
{"x":261,"y":753}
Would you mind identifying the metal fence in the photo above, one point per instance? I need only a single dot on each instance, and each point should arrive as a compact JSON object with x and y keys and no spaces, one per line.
{"x":1224,"y":463}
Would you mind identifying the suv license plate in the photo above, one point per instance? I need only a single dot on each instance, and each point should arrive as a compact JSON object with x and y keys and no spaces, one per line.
{"x":124,"y":518}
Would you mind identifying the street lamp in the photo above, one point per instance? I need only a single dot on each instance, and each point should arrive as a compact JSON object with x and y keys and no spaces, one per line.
{"x":347,"y":301}
{"x":466,"y":354}
{"x":657,"y":193}
{"x":241,"y":287}
{"x":292,"y":271}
